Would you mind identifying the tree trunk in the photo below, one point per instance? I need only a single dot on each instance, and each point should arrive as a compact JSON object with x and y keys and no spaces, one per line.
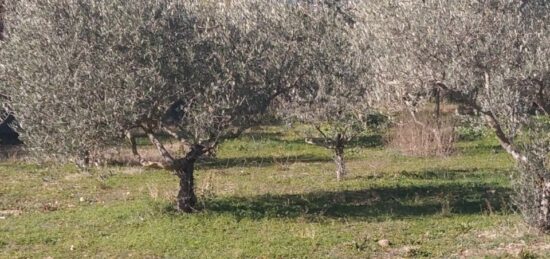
{"x":437,"y":104}
{"x":184,"y":169}
{"x":186,"y":199}
{"x":544,"y":213}
{"x":339,"y":159}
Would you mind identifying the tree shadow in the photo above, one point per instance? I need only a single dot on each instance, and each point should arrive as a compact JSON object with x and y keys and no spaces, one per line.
{"x":260,"y":161}
{"x":455,"y":174}
{"x":365,"y":141}
{"x":276,"y":136}
{"x":375,"y":204}
{"x":368,"y":141}
{"x":481,"y":148}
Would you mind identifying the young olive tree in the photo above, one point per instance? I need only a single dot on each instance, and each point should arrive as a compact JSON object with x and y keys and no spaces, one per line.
{"x":83,"y":73}
{"x":333,"y":99}
{"x":491,"y":56}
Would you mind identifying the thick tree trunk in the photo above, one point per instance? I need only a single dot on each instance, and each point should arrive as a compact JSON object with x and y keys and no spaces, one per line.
{"x":186,"y":199}
{"x":183,"y":168}
{"x":339,"y":159}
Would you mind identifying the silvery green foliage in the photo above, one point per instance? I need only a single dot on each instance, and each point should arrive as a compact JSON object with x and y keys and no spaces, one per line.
{"x":80,"y":73}
{"x":492,"y":55}
{"x":333,"y":97}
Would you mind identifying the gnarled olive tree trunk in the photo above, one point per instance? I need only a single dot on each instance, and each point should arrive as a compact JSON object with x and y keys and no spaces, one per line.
{"x":184,"y":168}
{"x":186,"y":199}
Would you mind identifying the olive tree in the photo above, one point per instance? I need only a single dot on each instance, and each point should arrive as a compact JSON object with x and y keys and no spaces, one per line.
{"x":492,"y":56}
{"x":83,"y":73}
{"x":333,"y":99}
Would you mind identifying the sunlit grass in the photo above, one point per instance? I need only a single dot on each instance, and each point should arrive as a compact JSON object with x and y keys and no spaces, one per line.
{"x":269,"y":194}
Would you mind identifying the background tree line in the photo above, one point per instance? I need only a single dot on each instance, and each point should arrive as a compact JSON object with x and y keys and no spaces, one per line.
{"x":82,"y":75}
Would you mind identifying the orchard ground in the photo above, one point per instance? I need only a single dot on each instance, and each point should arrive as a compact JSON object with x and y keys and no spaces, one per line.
{"x":271,"y":195}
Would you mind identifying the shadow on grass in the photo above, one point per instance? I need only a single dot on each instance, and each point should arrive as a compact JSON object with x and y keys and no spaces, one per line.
{"x":455,"y":174}
{"x":365,"y":141}
{"x":481,"y":149}
{"x":260,"y":161}
{"x":264,"y":161}
{"x":371,"y":204}
{"x":370,"y":141}
{"x":263,"y":135}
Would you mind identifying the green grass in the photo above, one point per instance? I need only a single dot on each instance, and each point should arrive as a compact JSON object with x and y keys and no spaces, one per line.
{"x":270,"y":195}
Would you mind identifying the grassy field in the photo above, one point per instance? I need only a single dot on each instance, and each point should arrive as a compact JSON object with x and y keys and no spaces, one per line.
{"x":270,"y":195}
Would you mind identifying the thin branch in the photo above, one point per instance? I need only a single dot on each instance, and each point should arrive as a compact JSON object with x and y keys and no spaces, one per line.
{"x":160,"y":147}
{"x":327,"y":143}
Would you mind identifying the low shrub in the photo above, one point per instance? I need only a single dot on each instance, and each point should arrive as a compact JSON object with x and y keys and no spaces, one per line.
{"x":424,"y":135}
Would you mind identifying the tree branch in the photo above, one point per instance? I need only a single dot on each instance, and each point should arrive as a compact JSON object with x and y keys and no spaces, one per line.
{"x":132,"y":138}
{"x":327,"y":140}
{"x":493,"y":122}
{"x":160,"y":147}
{"x":177,"y":136}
